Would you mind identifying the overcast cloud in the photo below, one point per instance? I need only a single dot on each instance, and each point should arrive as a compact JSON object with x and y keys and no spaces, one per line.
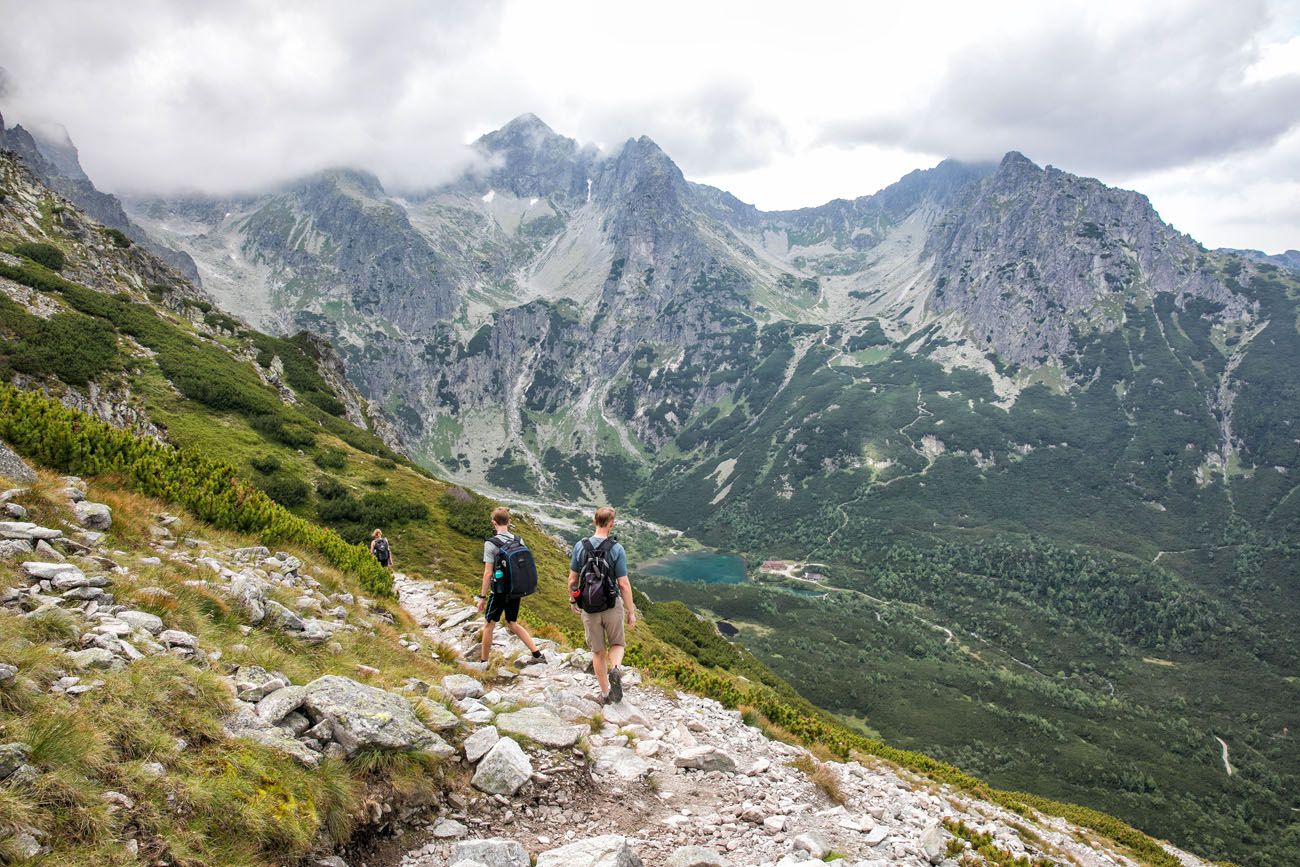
{"x":1195,"y":103}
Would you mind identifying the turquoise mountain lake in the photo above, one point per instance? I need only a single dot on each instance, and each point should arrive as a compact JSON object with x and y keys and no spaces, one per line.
{"x":708,"y":567}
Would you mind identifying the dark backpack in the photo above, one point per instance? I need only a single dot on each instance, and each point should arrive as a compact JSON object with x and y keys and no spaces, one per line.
{"x":597,"y":586}
{"x":382,"y":551}
{"x":516,"y":566}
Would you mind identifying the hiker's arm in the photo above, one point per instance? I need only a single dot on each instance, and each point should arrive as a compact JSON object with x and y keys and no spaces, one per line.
{"x":625,"y":587}
{"x":573,"y":585}
{"x":487,"y":585}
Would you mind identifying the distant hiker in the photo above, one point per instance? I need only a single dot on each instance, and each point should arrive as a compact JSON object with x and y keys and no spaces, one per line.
{"x":601,"y":592}
{"x":509,"y":574}
{"x":380,"y":548}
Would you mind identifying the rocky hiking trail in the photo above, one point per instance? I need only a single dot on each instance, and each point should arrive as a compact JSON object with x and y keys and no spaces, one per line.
{"x":668,"y":778}
{"x":536,"y":771}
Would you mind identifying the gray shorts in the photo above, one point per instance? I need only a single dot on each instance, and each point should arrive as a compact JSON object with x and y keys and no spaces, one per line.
{"x":604,"y":629}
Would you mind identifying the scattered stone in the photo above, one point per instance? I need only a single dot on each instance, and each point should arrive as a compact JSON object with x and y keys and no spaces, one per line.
{"x":696,"y":856}
{"x":95,"y":657}
{"x":449,"y":829}
{"x":462,"y":686}
{"x":7,"y":674}
{"x":25,"y":846}
{"x":620,"y":762}
{"x":93,"y":516}
{"x":934,"y":843}
{"x":250,"y":593}
{"x":27,"y":531}
{"x":278,"y":615}
{"x":177,"y":638}
{"x":477,"y":745}
{"x":15,"y":511}
{"x":436,"y":715}
{"x":254,"y":683}
{"x":503,"y":770}
{"x":12,"y":757}
{"x":37,"y":571}
{"x":279,"y":704}
{"x":495,"y":852}
{"x":542,"y":725}
{"x":812,"y":843}
{"x":607,"y":851}
{"x":364,"y":716}
{"x":153,"y":769}
{"x":142,"y":620}
{"x":705,"y":758}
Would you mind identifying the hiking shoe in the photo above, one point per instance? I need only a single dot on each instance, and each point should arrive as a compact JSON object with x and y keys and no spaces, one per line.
{"x":615,"y":686}
{"x":537,"y":654}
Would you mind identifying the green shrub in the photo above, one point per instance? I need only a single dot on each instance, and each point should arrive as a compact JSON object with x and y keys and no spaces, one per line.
{"x":384,"y":509}
{"x":275,"y":426}
{"x":326,"y":402}
{"x":329,"y":488}
{"x":43,"y":254}
{"x":69,"y":346}
{"x":118,"y":238}
{"x":340,"y":510}
{"x":377,"y":482}
{"x":467,"y":513}
{"x":330,"y":459}
{"x":266,"y":464}
{"x":286,"y":490}
{"x":46,"y":431}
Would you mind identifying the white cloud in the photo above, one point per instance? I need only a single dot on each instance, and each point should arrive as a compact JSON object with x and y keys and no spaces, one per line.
{"x":783,"y":105}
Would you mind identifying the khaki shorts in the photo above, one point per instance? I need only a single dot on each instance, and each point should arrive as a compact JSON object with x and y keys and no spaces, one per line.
{"x":604,"y":629}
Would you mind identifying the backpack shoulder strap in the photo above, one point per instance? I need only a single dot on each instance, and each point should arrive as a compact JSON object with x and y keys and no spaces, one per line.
{"x":607,"y":544}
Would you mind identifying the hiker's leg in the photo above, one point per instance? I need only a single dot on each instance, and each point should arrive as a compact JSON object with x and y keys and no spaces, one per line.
{"x":486,"y":650}
{"x":614,"y":656}
{"x":602,"y":673}
{"x":518,"y":629}
{"x":614,"y":634}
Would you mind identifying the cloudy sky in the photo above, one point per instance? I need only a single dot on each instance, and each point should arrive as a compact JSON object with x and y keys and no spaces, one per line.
{"x":1196,"y":103}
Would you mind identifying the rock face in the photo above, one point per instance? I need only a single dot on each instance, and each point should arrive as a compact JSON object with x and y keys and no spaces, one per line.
{"x":541,"y":725}
{"x":491,"y":853}
{"x":363,"y":716}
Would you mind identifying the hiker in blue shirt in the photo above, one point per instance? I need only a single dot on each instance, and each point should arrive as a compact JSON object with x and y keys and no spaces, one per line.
{"x":600,"y":591}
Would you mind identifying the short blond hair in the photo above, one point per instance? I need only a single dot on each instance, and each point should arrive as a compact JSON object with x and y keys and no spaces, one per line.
{"x":501,"y":516}
{"x":377,"y":534}
{"x":605,"y":516}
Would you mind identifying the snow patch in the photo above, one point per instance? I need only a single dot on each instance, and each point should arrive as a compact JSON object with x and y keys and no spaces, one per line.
{"x":489,"y":196}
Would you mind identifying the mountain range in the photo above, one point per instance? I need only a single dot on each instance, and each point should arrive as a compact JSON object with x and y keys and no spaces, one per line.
{"x":1037,"y":443}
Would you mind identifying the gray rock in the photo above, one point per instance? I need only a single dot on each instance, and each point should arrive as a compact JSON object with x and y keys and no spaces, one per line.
{"x":142,"y":620}
{"x":812,"y":843}
{"x":696,"y":856}
{"x":705,"y":758}
{"x":15,"y":549}
{"x":256,"y":552}
{"x":462,"y":686}
{"x":610,"y":850}
{"x":363,"y":716}
{"x":503,"y":770}
{"x":14,"y":467}
{"x":437,"y":716}
{"x":25,"y":846}
{"x":542,"y":725}
{"x":934,"y":843}
{"x":95,"y":657}
{"x":331,"y":861}
{"x":246,"y":724}
{"x":250,"y":592}
{"x":93,"y":516}
{"x":154,"y":769}
{"x":284,"y":618}
{"x":876,"y":836}
{"x":177,"y":638}
{"x":7,"y":674}
{"x":478,"y":744}
{"x":295,"y":723}
{"x":279,"y":704}
{"x":449,"y":829}
{"x":12,"y":757}
{"x":15,"y":511}
{"x":494,"y":852}
{"x":27,"y":531}
{"x":620,"y":762}
{"x":38,"y":571}
{"x":254,"y":683}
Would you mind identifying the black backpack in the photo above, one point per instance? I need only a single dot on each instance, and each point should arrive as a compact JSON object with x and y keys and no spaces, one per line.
{"x":515,"y":563}
{"x":382,"y":550}
{"x":597,"y":586}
